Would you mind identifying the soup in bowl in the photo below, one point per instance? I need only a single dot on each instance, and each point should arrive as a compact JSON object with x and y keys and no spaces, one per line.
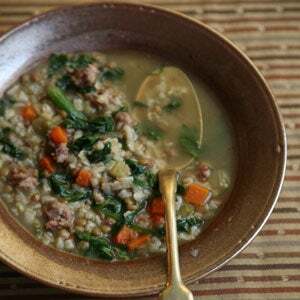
{"x":81,"y":148}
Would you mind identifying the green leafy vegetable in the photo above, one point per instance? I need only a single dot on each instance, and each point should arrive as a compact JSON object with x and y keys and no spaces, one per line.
{"x":174,"y":104}
{"x":111,"y":207}
{"x":148,"y":180}
{"x":77,"y":119}
{"x":5,"y":102}
{"x":61,"y":185}
{"x":66,"y":83}
{"x":100,"y":247}
{"x":130,"y":216}
{"x":189,"y":141}
{"x":56,"y":63}
{"x":8,"y":147}
{"x":61,"y":101}
{"x":101,"y":125}
{"x":180,"y":189}
{"x":81,"y":61}
{"x":139,"y":104}
{"x":100,"y":155}
{"x":112,"y":74}
{"x":185,"y":225}
{"x":150,"y":130}
{"x":143,"y":230}
{"x":136,"y":169}
{"x":85,"y":142}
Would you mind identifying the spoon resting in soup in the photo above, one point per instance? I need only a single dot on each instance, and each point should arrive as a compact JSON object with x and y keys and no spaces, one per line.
{"x":156,"y":88}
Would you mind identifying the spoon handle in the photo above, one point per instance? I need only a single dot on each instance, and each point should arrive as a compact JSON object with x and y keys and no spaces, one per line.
{"x":168,"y":186}
{"x":175,"y":289}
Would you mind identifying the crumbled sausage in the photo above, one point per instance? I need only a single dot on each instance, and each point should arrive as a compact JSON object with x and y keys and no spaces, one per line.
{"x":59,"y":215}
{"x":23,"y":178}
{"x":62,"y":153}
{"x":124,"y":117}
{"x":203,"y":172}
{"x":86,"y":76}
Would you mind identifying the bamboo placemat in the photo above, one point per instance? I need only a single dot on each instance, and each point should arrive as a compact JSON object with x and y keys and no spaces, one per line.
{"x":269,"y":32}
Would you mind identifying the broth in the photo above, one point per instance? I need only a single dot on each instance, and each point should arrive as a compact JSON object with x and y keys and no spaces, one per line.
{"x":78,"y":168}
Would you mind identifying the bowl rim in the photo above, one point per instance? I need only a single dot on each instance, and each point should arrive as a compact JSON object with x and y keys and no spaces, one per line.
{"x":273,"y":105}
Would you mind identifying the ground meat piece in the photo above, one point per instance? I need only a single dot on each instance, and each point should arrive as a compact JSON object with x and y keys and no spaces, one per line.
{"x":62,"y":153}
{"x":23,"y":178}
{"x":203,"y":172}
{"x":59,"y":216}
{"x":123,"y":118}
{"x":86,"y":76}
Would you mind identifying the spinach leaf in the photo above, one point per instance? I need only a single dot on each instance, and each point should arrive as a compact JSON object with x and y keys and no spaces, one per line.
{"x":100,"y":155}
{"x":111,"y":207}
{"x":12,"y":150}
{"x":81,"y":61}
{"x":8,"y":147}
{"x":61,"y":185}
{"x":61,"y":101}
{"x":140,"y":229}
{"x":59,"y":61}
{"x":100,"y":247}
{"x":185,"y":225}
{"x":139,"y":104}
{"x":112,"y":74}
{"x":135,"y":168}
{"x":5,"y":102}
{"x":174,"y":104}
{"x":56,"y":63}
{"x":130,"y":216}
{"x":151,"y":131}
{"x":189,"y":141}
{"x":101,"y":125}
{"x":66,"y":83}
{"x":180,"y":189}
{"x":85,"y":142}
{"x":148,"y":180}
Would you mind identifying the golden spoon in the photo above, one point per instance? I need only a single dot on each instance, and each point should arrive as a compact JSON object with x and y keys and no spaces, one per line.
{"x":189,"y":114}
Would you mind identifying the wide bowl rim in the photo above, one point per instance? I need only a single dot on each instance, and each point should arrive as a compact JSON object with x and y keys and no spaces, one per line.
{"x":258,"y":76}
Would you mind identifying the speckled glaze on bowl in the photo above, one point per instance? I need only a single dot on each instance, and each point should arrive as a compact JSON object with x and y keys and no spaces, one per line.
{"x":242,"y":91}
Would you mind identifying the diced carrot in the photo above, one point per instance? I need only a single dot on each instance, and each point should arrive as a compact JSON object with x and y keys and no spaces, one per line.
{"x":47,"y":164}
{"x":196,"y":194}
{"x":157,"y":207}
{"x":58,"y":135}
{"x":83,"y":178}
{"x":28,"y":113}
{"x":157,"y":220}
{"x":138,"y":242}
{"x":125,"y":235}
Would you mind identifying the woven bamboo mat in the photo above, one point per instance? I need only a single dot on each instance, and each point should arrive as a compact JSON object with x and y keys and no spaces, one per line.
{"x":269,"y":32}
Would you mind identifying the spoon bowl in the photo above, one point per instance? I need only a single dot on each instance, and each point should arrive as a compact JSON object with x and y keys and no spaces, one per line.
{"x":170,"y":108}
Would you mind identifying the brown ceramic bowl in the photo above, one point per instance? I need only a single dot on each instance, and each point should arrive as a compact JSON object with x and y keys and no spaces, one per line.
{"x":244,"y":94}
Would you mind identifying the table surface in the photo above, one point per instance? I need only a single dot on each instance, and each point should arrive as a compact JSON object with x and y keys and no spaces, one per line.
{"x":268,"y":31}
